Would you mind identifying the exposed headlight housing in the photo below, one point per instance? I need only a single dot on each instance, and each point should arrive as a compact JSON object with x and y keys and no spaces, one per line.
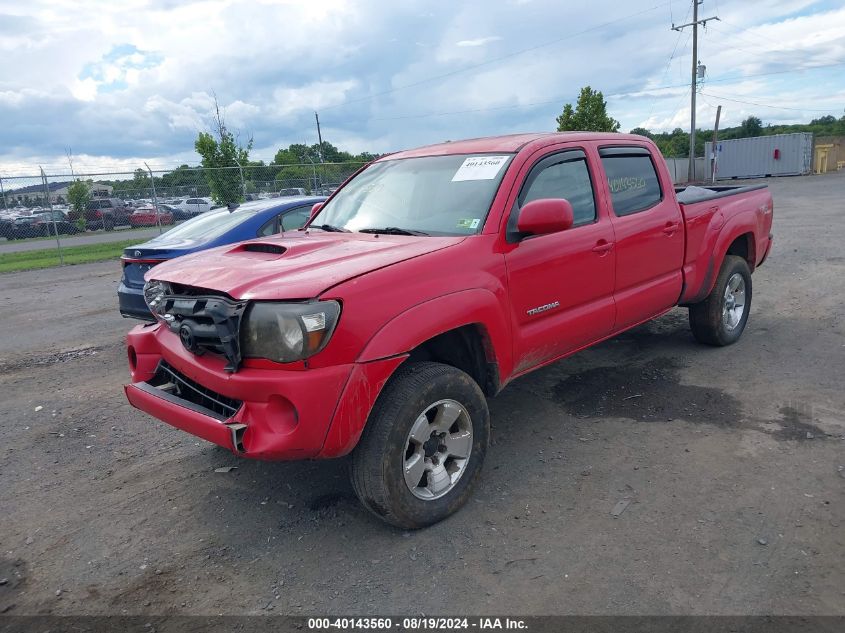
{"x":154,"y":293}
{"x":287,"y":332}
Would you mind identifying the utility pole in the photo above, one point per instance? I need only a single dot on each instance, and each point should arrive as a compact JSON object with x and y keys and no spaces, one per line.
{"x":713,"y":145}
{"x":52,"y":216}
{"x":155,"y":198}
{"x":319,"y":137}
{"x":694,"y":24}
{"x":69,"y":154}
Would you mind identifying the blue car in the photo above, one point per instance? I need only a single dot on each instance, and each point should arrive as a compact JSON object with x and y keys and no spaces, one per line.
{"x":213,"y":228}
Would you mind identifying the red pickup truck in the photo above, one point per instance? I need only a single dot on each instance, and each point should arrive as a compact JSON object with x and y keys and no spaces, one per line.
{"x":426,"y":283}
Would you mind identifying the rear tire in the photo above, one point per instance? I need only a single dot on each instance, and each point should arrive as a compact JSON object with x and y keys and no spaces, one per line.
{"x":422,"y":450}
{"x":720,"y":319}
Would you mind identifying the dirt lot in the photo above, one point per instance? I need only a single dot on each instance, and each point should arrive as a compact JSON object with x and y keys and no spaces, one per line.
{"x":731,"y":460}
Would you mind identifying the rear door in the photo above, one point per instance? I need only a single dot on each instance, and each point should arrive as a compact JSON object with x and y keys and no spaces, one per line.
{"x":560,"y":284}
{"x":649,"y":232}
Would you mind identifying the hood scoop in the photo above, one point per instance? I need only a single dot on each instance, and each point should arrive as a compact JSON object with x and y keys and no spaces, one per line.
{"x":258,"y":250}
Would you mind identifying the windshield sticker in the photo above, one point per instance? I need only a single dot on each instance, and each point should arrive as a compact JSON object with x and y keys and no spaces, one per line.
{"x":469,"y":223}
{"x":479,"y":168}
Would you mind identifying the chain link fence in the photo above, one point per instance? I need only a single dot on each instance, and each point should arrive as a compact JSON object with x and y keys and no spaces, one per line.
{"x":72,"y":209}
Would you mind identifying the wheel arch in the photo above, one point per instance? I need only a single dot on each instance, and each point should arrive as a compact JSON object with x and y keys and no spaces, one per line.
{"x":744,"y":246}
{"x":465,"y":329}
{"x":732,"y":240}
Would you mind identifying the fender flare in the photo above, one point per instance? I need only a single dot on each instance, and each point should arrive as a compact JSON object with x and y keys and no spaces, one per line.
{"x":729,"y":232}
{"x":424,"y":321}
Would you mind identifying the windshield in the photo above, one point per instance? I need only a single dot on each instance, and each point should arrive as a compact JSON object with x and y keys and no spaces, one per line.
{"x":437,"y":195}
{"x":207,"y":226}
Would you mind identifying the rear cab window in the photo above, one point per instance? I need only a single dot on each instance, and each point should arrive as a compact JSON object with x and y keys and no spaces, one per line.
{"x":631,"y":179}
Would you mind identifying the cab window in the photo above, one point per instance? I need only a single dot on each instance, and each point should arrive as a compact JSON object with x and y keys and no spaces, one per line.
{"x":563,"y":175}
{"x":631,"y":178}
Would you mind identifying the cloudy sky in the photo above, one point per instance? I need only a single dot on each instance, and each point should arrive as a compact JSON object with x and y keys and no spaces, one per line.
{"x":122,"y":82}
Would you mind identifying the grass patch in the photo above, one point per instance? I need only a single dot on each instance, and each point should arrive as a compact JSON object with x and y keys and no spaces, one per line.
{"x":69,"y":238}
{"x":49,"y":257}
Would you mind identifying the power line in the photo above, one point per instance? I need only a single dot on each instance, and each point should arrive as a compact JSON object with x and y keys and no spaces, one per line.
{"x":671,"y":55}
{"x":766,"y":105}
{"x":423,"y":115}
{"x":746,"y":30}
{"x":496,"y":59}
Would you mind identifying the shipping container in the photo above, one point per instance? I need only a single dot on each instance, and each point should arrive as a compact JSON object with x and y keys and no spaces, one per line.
{"x":760,"y":156}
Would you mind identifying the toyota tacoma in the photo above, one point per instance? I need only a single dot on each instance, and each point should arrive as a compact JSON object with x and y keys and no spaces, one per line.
{"x":426,"y":283}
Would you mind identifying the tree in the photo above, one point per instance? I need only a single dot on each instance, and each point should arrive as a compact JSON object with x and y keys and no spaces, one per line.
{"x":825,"y":120}
{"x":140,"y":183}
{"x":78,"y":195}
{"x":589,"y":114}
{"x":752,"y":126}
{"x":219,"y":153}
{"x":642,"y":132}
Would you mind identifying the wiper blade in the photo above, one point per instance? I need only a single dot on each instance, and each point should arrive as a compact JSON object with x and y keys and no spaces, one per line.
{"x":393,"y":230}
{"x":331,"y":229}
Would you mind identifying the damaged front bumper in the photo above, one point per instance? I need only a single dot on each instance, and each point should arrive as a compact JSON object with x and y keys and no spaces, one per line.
{"x":275,"y":414}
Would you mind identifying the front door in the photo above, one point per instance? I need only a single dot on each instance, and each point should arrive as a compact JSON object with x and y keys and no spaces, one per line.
{"x":649,"y":232}
{"x":560,"y":284}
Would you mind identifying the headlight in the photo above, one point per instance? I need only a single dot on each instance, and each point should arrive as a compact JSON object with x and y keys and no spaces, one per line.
{"x":286,"y":332}
{"x":154,"y":293}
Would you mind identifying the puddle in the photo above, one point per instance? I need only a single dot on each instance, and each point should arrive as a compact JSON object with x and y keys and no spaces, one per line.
{"x":796,"y":424}
{"x":651,"y":392}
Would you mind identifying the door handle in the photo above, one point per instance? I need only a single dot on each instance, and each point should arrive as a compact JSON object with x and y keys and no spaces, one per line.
{"x":671,"y":228}
{"x":602,"y":247}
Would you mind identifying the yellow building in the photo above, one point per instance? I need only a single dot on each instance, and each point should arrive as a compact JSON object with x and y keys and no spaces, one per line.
{"x":828,"y":154}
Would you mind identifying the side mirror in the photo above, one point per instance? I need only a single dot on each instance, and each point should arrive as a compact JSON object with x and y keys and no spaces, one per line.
{"x":546,"y":215}
{"x":315,"y":210}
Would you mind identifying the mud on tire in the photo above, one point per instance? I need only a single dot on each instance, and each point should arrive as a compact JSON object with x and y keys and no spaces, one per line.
{"x":718,"y":319}
{"x":419,"y":402}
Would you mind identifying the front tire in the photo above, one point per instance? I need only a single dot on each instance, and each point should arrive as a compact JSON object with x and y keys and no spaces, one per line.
{"x":422,"y":450}
{"x":720,"y":319}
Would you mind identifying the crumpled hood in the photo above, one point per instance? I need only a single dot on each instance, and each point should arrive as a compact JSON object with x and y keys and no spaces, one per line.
{"x":293,"y":266}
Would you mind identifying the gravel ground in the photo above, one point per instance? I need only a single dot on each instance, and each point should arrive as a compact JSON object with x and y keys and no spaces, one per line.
{"x":648,"y":475}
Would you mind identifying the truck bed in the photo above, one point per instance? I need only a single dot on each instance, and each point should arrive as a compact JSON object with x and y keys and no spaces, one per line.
{"x":694,"y":194}
{"x":709,"y":215}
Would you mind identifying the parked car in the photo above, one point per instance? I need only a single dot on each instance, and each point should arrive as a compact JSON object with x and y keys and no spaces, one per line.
{"x":104,"y":213}
{"x":49,"y":223}
{"x":6,"y":228}
{"x":24,"y":227}
{"x":150,"y":216}
{"x":37,"y":225}
{"x":291,"y":191}
{"x":178,"y":212}
{"x":194,"y":206}
{"x":428,"y":282}
{"x":214,"y":228}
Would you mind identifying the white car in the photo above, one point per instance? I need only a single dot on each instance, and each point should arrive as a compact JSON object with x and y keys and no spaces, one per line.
{"x":292,"y":191}
{"x":194,"y":206}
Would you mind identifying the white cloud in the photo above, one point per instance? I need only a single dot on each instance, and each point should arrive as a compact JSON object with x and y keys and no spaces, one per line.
{"x":138,"y":78}
{"x":481,"y":41}
{"x":313,"y":96}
